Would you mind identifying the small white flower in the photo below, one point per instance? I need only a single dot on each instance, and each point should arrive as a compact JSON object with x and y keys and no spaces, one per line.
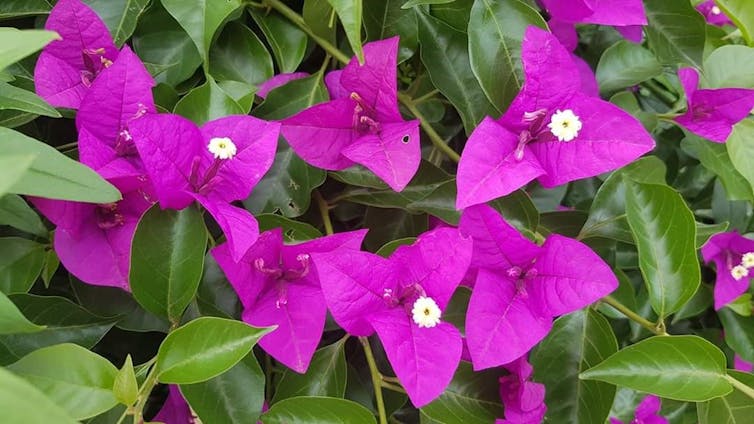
{"x":715,"y":10}
{"x":564,"y":125}
{"x":738,"y":272}
{"x":747,"y":260}
{"x":222,"y":147}
{"x":426,"y":313}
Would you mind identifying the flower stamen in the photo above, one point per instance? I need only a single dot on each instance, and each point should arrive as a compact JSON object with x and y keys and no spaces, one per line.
{"x":564,"y":125}
{"x":426,"y":313}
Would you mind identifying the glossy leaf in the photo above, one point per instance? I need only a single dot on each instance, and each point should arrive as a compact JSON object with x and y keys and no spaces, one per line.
{"x":742,"y":15}
{"x":349,"y":12}
{"x":15,"y":212}
{"x":741,"y":147}
{"x":625,"y":64}
{"x":686,"y":368}
{"x":676,"y":32}
{"x":15,"y":98}
{"x":79,"y":381}
{"x":292,"y":97}
{"x":239,"y":55}
{"x":201,"y":18}
{"x":734,"y":408}
{"x":20,"y":264}
{"x":54,"y":175}
{"x":21,"y":402}
{"x":234,"y":397}
{"x":576,"y":342}
{"x":293,"y":231}
{"x":12,"y":321}
{"x":471,"y":398}
{"x":207,"y":102}
{"x":739,"y":333}
{"x":715,"y":157}
{"x":314,"y":410}
{"x":496,"y":30}
{"x":326,"y":375}
{"x":385,"y":18}
{"x":287,"y":41}
{"x":665,"y":234}
{"x":17,"y":44}
{"x":167,"y":257}
{"x":19,"y":8}
{"x":120,"y":16}
{"x":204,"y":348}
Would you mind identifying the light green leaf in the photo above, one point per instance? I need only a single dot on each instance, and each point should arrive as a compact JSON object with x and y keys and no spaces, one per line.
{"x":742,"y":14}
{"x":496,"y":31}
{"x":728,"y":66}
{"x":16,"y":44}
{"x":125,"y":386}
{"x":625,"y":64}
{"x":686,"y":368}
{"x":741,"y":149}
{"x":19,"y":99}
{"x":326,"y":375}
{"x":12,"y":321}
{"x":167,"y":258}
{"x":676,"y":32}
{"x":13,"y":168}
{"x":20,"y":264}
{"x":665,"y":233}
{"x":734,"y":408}
{"x":21,"y":402}
{"x":76,"y":379}
{"x":349,"y":12}
{"x":315,"y":410}
{"x":201,"y":18}
{"x":204,"y":348}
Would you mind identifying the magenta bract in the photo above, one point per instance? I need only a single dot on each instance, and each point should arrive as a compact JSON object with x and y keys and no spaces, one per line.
{"x":362,"y":124}
{"x":647,"y":412}
{"x":523,"y":399}
{"x":733,"y":256}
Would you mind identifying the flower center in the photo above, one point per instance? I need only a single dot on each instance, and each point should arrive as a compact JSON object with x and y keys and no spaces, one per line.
{"x":94,"y":62}
{"x":715,"y":10}
{"x":425,"y":312}
{"x":564,"y":125}
{"x":364,"y":117}
{"x":747,"y":259}
{"x":738,"y":272}
{"x":124,"y":143}
{"x":222,"y":148}
{"x":520,"y":275}
{"x":108,"y":216}
{"x":283,"y":276}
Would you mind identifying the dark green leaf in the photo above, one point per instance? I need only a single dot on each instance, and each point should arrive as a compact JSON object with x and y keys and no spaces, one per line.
{"x":705,"y":231}
{"x":734,"y":408}
{"x":697,"y":305}
{"x":204,"y":348}
{"x":386,"y":225}
{"x":686,"y":368}
{"x":234,"y":397}
{"x":471,"y":398}
{"x":239,"y":55}
{"x":412,"y":3}
{"x":626,"y":64}
{"x":287,"y":41}
{"x":577,"y":342}
{"x":496,"y":31}
{"x":293,"y":231}
{"x":326,"y":375}
{"x":665,"y":234}
{"x":386,"y":18}
{"x":292,"y":97}
{"x":627,"y":101}
{"x":167,"y":256}
{"x":21,"y":402}
{"x":20,"y":264}
{"x":444,"y":51}
{"x":315,"y":410}
{"x":207,"y":102}
{"x":120,"y":16}
{"x":739,"y":333}
{"x":715,"y":157}
{"x":676,"y":32}
{"x":19,"y":99}
{"x":76,"y":379}
{"x":201,"y":18}
{"x":19,"y":8}
{"x":349,"y":12}
{"x":388,"y":248}
{"x":319,"y":16}
{"x":12,"y":321}
{"x":14,"y":211}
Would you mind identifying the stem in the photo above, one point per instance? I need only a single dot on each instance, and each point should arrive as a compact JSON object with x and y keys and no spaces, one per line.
{"x":658,"y":329}
{"x":743,"y":388}
{"x":143,"y":396}
{"x":393,"y":387}
{"x":299,"y":21}
{"x":426,"y":97}
{"x":658,"y":91}
{"x":324,"y":212}
{"x":376,"y":379}
{"x":67,"y":146}
{"x":435,"y":138}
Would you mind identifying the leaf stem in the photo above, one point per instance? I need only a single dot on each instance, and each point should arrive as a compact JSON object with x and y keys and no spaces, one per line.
{"x":658,"y":91}
{"x":435,"y":138}
{"x":143,"y":396}
{"x":299,"y":21}
{"x":426,"y":97}
{"x":393,"y":387}
{"x":376,"y":379}
{"x":743,"y":388}
{"x":324,"y":211}
{"x":649,"y":325}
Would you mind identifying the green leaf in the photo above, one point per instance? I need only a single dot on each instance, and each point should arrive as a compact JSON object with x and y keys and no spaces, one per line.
{"x":234,"y":397}
{"x":20,"y":8}
{"x":125,"y":386}
{"x":14,"y":211}
{"x":54,"y":175}
{"x":287,"y":186}
{"x":201,"y":18}
{"x":20,"y":264}
{"x":734,"y":408}
{"x":625,"y":64}
{"x":697,"y":305}
{"x":19,"y":99}
{"x":16,"y":44}
{"x":239,"y":55}
{"x":21,"y":402}
{"x":287,"y":41}
{"x":386,"y":18}
{"x":686,"y":368}
{"x":741,"y":305}
{"x":315,"y":410}
{"x":388,"y":248}
{"x":292,"y":98}
{"x":411,"y":3}
{"x":12,"y":321}
{"x":496,"y":31}
{"x":607,"y":215}
{"x":215,"y":296}
{"x":576,"y":342}
{"x":386,"y":225}
{"x":65,"y":322}
{"x":627,"y":101}
{"x":207,"y":102}
{"x":76,"y":379}
{"x":739,"y":333}
{"x":741,"y":13}
{"x":120,"y":16}
{"x":741,"y":149}
{"x":204,"y":348}
{"x":349,"y":12}
{"x":728,"y":66}
{"x":444,"y":51}
{"x":665,"y":234}
{"x":705,"y":231}
{"x":714,"y":156}
{"x":167,"y":258}
{"x":13,"y":169}
{"x":470,"y":398}
{"x":293,"y":231}
{"x":326,"y":375}
{"x":676,"y":32}
{"x":318,"y":15}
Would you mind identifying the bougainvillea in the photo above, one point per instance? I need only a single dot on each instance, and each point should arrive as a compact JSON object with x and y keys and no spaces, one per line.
{"x":363,"y":211}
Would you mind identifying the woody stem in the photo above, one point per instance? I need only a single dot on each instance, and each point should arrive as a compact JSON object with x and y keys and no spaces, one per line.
{"x":324,"y":211}
{"x":376,"y":379}
{"x":649,"y":325}
{"x":435,"y":138}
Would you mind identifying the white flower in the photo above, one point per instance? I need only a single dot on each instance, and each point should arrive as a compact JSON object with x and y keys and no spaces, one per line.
{"x":747,"y":260}
{"x":564,"y":125}
{"x":715,"y":10}
{"x":738,"y":272}
{"x":222,"y":148}
{"x":426,"y":313}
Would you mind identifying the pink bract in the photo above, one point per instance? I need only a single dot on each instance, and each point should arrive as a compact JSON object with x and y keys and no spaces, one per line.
{"x":726,"y":250}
